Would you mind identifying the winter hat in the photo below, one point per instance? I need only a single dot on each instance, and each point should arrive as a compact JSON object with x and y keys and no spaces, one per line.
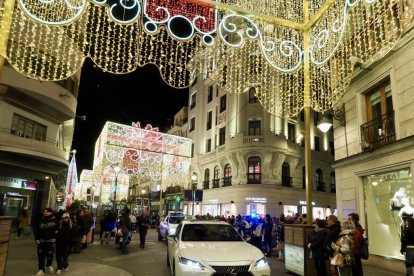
{"x":66,"y":215}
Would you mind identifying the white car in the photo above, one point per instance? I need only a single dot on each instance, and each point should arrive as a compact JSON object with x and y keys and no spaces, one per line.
{"x":205,"y":248}
{"x":168,"y":226}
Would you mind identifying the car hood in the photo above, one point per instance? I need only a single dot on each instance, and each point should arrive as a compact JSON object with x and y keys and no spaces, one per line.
{"x":220,"y":251}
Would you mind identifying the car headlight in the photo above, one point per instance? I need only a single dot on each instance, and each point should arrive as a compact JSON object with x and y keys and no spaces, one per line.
{"x":260,"y":263}
{"x":190,"y":263}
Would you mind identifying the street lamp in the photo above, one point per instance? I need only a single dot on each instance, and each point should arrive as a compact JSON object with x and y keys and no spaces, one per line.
{"x":194,"y":178}
{"x":117,"y":169}
{"x":325,"y":123}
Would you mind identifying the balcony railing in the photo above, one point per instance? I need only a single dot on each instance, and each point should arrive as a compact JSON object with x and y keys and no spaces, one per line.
{"x":226,"y":181}
{"x":206,"y":185}
{"x":216,"y":183}
{"x":254,"y":178}
{"x":253,"y":139}
{"x":287,"y":181}
{"x":378,"y":132}
{"x":320,"y":186}
{"x":174,"y":190}
{"x":14,"y":132}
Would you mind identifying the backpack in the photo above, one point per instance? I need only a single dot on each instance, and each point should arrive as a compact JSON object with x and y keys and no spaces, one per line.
{"x":364,"y":247}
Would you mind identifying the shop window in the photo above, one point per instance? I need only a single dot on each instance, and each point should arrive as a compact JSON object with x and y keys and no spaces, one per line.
{"x":208,"y":145}
{"x":333,"y":183}
{"x":210,"y":94}
{"x":388,"y":202}
{"x":222,"y":136}
{"x":255,"y":128}
{"x":291,"y":132}
{"x":227,"y":175}
{"x":317,"y":143}
{"x":216,"y":179}
{"x":26,"y":128}
{"x":254,"y":175}
{"x":223,"y":103}
{"x":206,"y":183}
{"x":320,"y":185}
{"x":252,"y":95}
{"x":193,"y":101}
{"x":286,"y":179}
{"x":192,"y":124}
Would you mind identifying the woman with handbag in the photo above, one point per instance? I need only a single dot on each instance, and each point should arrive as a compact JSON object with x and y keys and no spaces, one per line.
{"x":24,"y":222}
{"x":344,"y":249}
{"x":315,"y":243}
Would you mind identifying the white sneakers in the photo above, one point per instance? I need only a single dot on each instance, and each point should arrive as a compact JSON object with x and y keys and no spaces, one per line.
{"x":66,"y":269}
{"x":40,"y":273}
{"x":51,"y":270}
{"x":58,"y":271}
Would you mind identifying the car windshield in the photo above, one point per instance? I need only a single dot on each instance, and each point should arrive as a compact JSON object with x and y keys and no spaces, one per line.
{"x":176,"y":220}
{"x":209,"y":232}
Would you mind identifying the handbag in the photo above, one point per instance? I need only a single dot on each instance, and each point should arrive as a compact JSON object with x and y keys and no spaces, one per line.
{"x":280,"y":246}
{"x":338,"y":260}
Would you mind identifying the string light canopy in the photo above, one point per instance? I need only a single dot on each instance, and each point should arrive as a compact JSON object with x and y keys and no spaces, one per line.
{"x":144,"y":156}
{"x":296,"y":54}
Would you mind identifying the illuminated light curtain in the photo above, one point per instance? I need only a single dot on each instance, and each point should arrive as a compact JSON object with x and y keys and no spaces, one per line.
{"x":49,"y":40}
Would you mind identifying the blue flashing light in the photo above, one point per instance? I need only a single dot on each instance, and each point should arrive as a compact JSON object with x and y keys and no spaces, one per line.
{"x":253,"y":215}
{"x":377,"y":200}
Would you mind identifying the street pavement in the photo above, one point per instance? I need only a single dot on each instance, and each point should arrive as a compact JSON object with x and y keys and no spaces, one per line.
{"x":107,"y":260}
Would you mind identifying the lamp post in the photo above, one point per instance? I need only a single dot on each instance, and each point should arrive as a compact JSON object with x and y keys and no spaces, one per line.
{"x":194,"y":178}
{"x":117,"y":169}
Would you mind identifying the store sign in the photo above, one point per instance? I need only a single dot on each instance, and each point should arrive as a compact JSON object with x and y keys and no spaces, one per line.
{"x":18,"y":183}
{"x":304,"y":203}
{"x":214,"y":201}
{"x":257,"y":199}
{"x":388,"y":177}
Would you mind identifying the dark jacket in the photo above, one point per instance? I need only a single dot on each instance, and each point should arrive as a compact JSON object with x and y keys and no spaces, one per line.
{"x":332,"y":237}
{"x":358,"y":236}
{"x":406,"y":239}
{"x":282,"y":230}
{"x":143,"y":223}
{"x":88,"y":220}
{"x":66,"y":234}
{"x":81,"y":225}
{"x":108,"y":223}
{"x":317,"y":239}
{"x":46,"y":229}
{"x":125,"y":223}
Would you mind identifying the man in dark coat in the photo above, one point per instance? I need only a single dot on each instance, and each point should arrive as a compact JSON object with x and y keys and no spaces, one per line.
{"x":315,"y":243}
{"x":45,"y":232}
{"x":334,"y":227}
{"x":143,"y":224}
{"x":126,"y":227}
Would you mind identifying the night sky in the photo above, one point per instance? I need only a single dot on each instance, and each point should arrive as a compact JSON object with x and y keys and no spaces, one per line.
{"x":141,"y":96}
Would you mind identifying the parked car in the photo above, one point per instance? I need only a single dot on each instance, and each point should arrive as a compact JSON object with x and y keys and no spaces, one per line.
{"x":169,"y":224}
{"x":213,"y":248}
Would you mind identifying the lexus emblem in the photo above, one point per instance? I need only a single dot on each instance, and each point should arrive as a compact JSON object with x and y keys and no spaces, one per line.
{"x":233,"y":272}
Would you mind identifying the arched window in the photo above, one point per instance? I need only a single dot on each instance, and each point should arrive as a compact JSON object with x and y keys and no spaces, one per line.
{"x":254,"y":175}
{"x":304,"y":177}
{"x":286,"y":179}
{"x":252,"y":95}
{"x":206,"y":182}
{"x":227,"y":175}
{"x":216,"y":179}
{"x":333,"y":183}
{"x":319,"y":181}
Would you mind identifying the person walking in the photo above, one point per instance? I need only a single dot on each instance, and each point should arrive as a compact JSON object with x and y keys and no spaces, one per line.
{"x":315,"y":243}
{"x":268,"y":234}
{"x":89,"y":225}
{"x":76,"y":243}
{"x":80,"y":217}
{"x":125,"y":228}
{"x":345,"y":245}
{"x":107,"y":227}
{"x":102,"y":224}
{"x":143,"y":224}
{"x":24,"y":222}
{"x":357,"y":269}
{"x":45,"y":232}
{"x":67,"y":233}
{"x":407,"y":245}
{"x":334,"y":227}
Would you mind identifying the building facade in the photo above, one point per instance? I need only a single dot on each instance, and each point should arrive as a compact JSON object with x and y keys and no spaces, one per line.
{"x":374,"y":152}
{"x":248,"y":161}
{"x":36,"y":130}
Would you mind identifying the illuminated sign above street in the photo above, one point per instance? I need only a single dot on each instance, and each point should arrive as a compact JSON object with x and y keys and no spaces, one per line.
{"x":257,"y":199}
{"x":304,"y":203}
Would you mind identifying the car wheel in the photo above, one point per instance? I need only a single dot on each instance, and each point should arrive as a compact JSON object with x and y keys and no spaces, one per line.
{"x":159,"y":237}
{"x":168,"y":259}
